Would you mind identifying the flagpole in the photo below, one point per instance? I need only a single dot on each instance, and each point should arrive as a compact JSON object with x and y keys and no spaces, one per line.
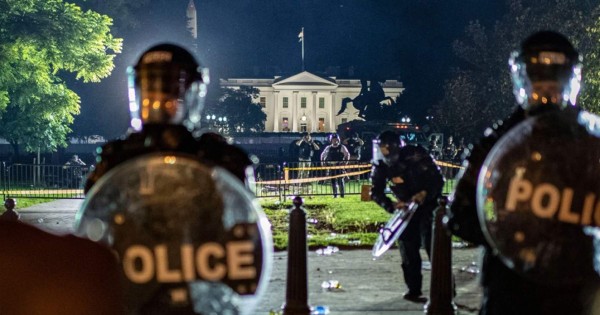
{"x":302,"y":48}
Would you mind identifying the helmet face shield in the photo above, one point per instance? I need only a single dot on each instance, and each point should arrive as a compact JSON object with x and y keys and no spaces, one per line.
{"x":387,"y":147}
{"x":166,"y":87}
{"x":547,"y":72}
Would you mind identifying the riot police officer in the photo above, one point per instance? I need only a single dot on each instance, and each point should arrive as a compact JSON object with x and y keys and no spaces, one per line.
{"x":168,"y":89}
{"x":189,"y":236}
{"x":413,"y":176}
{"x":533,"y":265}
{"x":334,"y":155}
{"x":354,"y":144}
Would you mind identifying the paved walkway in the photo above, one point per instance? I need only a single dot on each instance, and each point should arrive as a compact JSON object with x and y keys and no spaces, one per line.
{"x":367,"y":286}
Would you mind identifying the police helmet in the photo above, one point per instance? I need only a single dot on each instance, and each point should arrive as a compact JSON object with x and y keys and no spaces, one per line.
{"x":334,"y":136}
{"x":546,"y":71}
{"x":386,"y":147}
{"x":166,"y":86}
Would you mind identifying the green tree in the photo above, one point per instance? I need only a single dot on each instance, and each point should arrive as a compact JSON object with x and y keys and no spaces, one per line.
{"x":479,"y":90}
{"x":241,"y":109}
{"x":40,"y":40}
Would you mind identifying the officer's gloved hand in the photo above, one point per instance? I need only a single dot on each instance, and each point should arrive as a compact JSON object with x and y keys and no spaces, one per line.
{"x":399,"y":205}
{"x":419,"y":197}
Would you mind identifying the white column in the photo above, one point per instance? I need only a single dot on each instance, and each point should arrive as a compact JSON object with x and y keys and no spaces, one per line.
{"x":295,"y":111}
{"x":276,"y":111}
{"x":332,"y":125}
{"x":315,"y":121}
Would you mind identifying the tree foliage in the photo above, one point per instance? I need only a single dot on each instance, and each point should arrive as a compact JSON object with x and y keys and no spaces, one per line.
{"x":479,"y":90}
{"x":40,"y":40}
{"x":243,"y":113}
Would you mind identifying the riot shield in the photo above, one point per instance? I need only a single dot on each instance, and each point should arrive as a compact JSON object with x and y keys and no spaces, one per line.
{"x":188,"y":236}
{"x":393,"y":229}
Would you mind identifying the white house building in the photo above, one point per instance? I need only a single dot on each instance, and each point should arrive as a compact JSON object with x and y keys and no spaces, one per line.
{"x":307,"y":102}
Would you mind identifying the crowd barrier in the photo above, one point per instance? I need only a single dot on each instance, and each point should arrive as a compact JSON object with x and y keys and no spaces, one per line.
{"x":272,"y":180}
{"x":316,"y":178}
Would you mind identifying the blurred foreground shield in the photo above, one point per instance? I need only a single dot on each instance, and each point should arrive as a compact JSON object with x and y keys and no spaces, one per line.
{"x":393,"y":229}
{"x":537,"y":190}
{"x":188,"y":236}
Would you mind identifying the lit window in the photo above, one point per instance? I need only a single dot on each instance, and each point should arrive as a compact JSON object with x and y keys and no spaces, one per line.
{"x":321,"y":124}
{"x":285,"y":124}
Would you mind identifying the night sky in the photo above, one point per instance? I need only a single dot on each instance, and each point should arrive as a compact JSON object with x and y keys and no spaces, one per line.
{"x":389,"y":39}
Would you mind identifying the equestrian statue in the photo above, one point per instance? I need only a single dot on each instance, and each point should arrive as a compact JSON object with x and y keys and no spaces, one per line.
{"x":371,"y":102}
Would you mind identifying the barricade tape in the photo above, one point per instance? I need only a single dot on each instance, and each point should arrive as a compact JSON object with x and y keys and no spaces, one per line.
{"x":308,"y":180}
{"x":316,"y":168}
{"x":343,"y":167}
{"x":446,"y":164}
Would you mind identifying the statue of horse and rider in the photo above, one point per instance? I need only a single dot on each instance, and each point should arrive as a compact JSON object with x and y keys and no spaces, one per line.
{"x":371,"y":102}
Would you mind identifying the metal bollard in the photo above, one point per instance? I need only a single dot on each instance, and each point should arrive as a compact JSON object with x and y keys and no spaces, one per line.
{"x":296,"y":291}
{"x":441,"y":286}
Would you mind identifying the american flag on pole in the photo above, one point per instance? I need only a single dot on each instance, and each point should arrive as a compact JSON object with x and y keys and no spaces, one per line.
{"x":301,"y":35}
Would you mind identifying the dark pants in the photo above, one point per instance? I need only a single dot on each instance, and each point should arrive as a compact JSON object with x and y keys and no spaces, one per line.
{"x":338,"y":183}
{"x":416,"y":235}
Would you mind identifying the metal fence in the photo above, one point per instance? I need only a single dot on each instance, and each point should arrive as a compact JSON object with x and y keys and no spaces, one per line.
{"x":318,"y":178}
{"x":272,"y":180}
{"x":43,"y":181}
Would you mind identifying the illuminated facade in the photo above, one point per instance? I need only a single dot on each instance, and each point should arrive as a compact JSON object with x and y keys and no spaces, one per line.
{"x":307,"y":102}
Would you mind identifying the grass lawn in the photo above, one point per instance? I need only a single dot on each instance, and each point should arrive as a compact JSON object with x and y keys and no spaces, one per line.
{"x":342,"y":222}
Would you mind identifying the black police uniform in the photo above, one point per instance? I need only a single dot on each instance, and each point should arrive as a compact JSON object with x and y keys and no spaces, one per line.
{"x":209,"y":149}
{"x":506,"y":291}
{"x":336,"y":154}
{"x":414,"y":171}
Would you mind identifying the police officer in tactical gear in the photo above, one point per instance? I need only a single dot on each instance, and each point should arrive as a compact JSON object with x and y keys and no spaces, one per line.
{"x":533,"y":265}
{"x":335,"y":155}
{"x":167,"y":90}
{"x":413,"y":176}
{"x":354,"y":144}
{"x":306,"y":148}
{"x":189,"y":237}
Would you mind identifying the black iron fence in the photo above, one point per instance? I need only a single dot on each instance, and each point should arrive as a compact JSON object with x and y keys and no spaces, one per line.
{"x":272,"y":180}
{"x":319,"y":178}
{"x":43,"y":181}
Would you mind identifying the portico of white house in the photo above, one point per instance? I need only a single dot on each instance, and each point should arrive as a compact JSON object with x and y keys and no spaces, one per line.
{"x":307,"y":102}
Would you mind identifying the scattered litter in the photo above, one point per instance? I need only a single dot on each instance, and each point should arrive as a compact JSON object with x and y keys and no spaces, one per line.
{"x":331,"y":285}
{"x":354,"y":242}
{"x":471,"y":268}
{"x":327,"y":251}
{"x":426,"y":265}
{"x":312,"y":221}
{"x":319,"y":310}
{"x":459,"y":245}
